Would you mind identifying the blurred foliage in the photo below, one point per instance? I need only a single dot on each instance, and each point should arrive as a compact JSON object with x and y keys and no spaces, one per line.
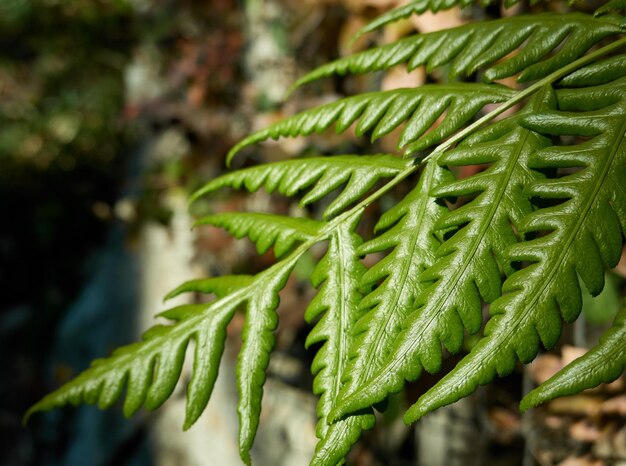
{"x":63,"y":145}
{"x":62,"y":138}
{"x":61,"y":92}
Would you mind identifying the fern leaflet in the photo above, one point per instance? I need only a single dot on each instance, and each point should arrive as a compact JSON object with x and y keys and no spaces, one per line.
{"x":382,"y":112}
{"x":266,"y":230}
{"x":322,"y":175}
{"x":602,"y":364}
{"x":421,"y":6}
{"x":336,"y":309}
{"x":219,"y":286}
{"x":544,"y":43}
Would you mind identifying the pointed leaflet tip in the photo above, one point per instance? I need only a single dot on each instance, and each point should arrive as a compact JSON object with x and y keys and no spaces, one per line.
{"x":231,"y":154}
{"x":291,"y":90}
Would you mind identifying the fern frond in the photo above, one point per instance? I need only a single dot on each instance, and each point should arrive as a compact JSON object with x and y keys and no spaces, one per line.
{"x":266,"y":230}
{"x":257,"y":343}
{"x":602,"y":364}
{"x":420,"y":6}
{"x":544,"y":43}
{"x":320,"y":175}
{"x":467,"y":266}
{"x":335,"y":308}
{"x":413,"y":8}
{"x":535,"y":220}
{"x":151,"y":368}
{"x":584,"y":237}
{"x":382,"y":112}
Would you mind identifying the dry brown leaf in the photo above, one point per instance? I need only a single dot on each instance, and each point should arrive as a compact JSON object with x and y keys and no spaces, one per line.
{"x":583,"y":405}
{"x":620,"y":268}
{"x":604,"y":447}
{"x":584,"y":431}
{"x":544,"y":367}
{"x":581,"y":461}
{"x":617,"y":386}
{"x":614,"y":406}
{"x":398,"y":78}
{"x":569,"y":353}
{"x":554,"y":422}
{"x":431,"y":22}
{"x":505,"y":424}
{"x":619,"y":444}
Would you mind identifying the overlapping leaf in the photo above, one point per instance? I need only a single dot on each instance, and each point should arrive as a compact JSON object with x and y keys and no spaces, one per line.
{"x":543,"y":44}
{"x":408,"y":228}
{"x":382,"y":112}
{"x":467,"y":266}
{"x":335,"y":308}
{"x":320,"y":175}
{"x":602,"y":364}
{"x":584,"y":236}
{"x":266,"y":230}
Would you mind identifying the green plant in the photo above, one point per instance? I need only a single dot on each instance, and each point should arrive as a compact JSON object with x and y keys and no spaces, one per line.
{"x":549,"y":207}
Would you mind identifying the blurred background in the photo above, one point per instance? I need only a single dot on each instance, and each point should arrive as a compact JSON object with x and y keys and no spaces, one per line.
{"x":111,"y":112}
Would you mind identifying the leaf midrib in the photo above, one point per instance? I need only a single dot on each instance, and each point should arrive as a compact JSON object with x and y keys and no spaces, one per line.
{"x":375,"y":348}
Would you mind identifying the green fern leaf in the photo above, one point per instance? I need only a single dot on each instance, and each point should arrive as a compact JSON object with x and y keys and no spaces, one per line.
{"x":382,"y":112}
{"x":266,"y":230}
{"x":408,"y":225}
{"x":585,"y":237}
{"x":611,"y":7}
{"x":467,"y":266}
{"x":544,"y":44}
{"x":420,"y":6}
{"x":410,"y":9}
{"x":557,"y":211}
{"x":335,"y":308}
{"x":321,"y":175}
{"x":408,"y":228}
{"x":219,"y":286}
{"x":602,"y":364}
{"x":151,"y":368}
{"x":601,"y":72}
{"x":257,"y":343}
